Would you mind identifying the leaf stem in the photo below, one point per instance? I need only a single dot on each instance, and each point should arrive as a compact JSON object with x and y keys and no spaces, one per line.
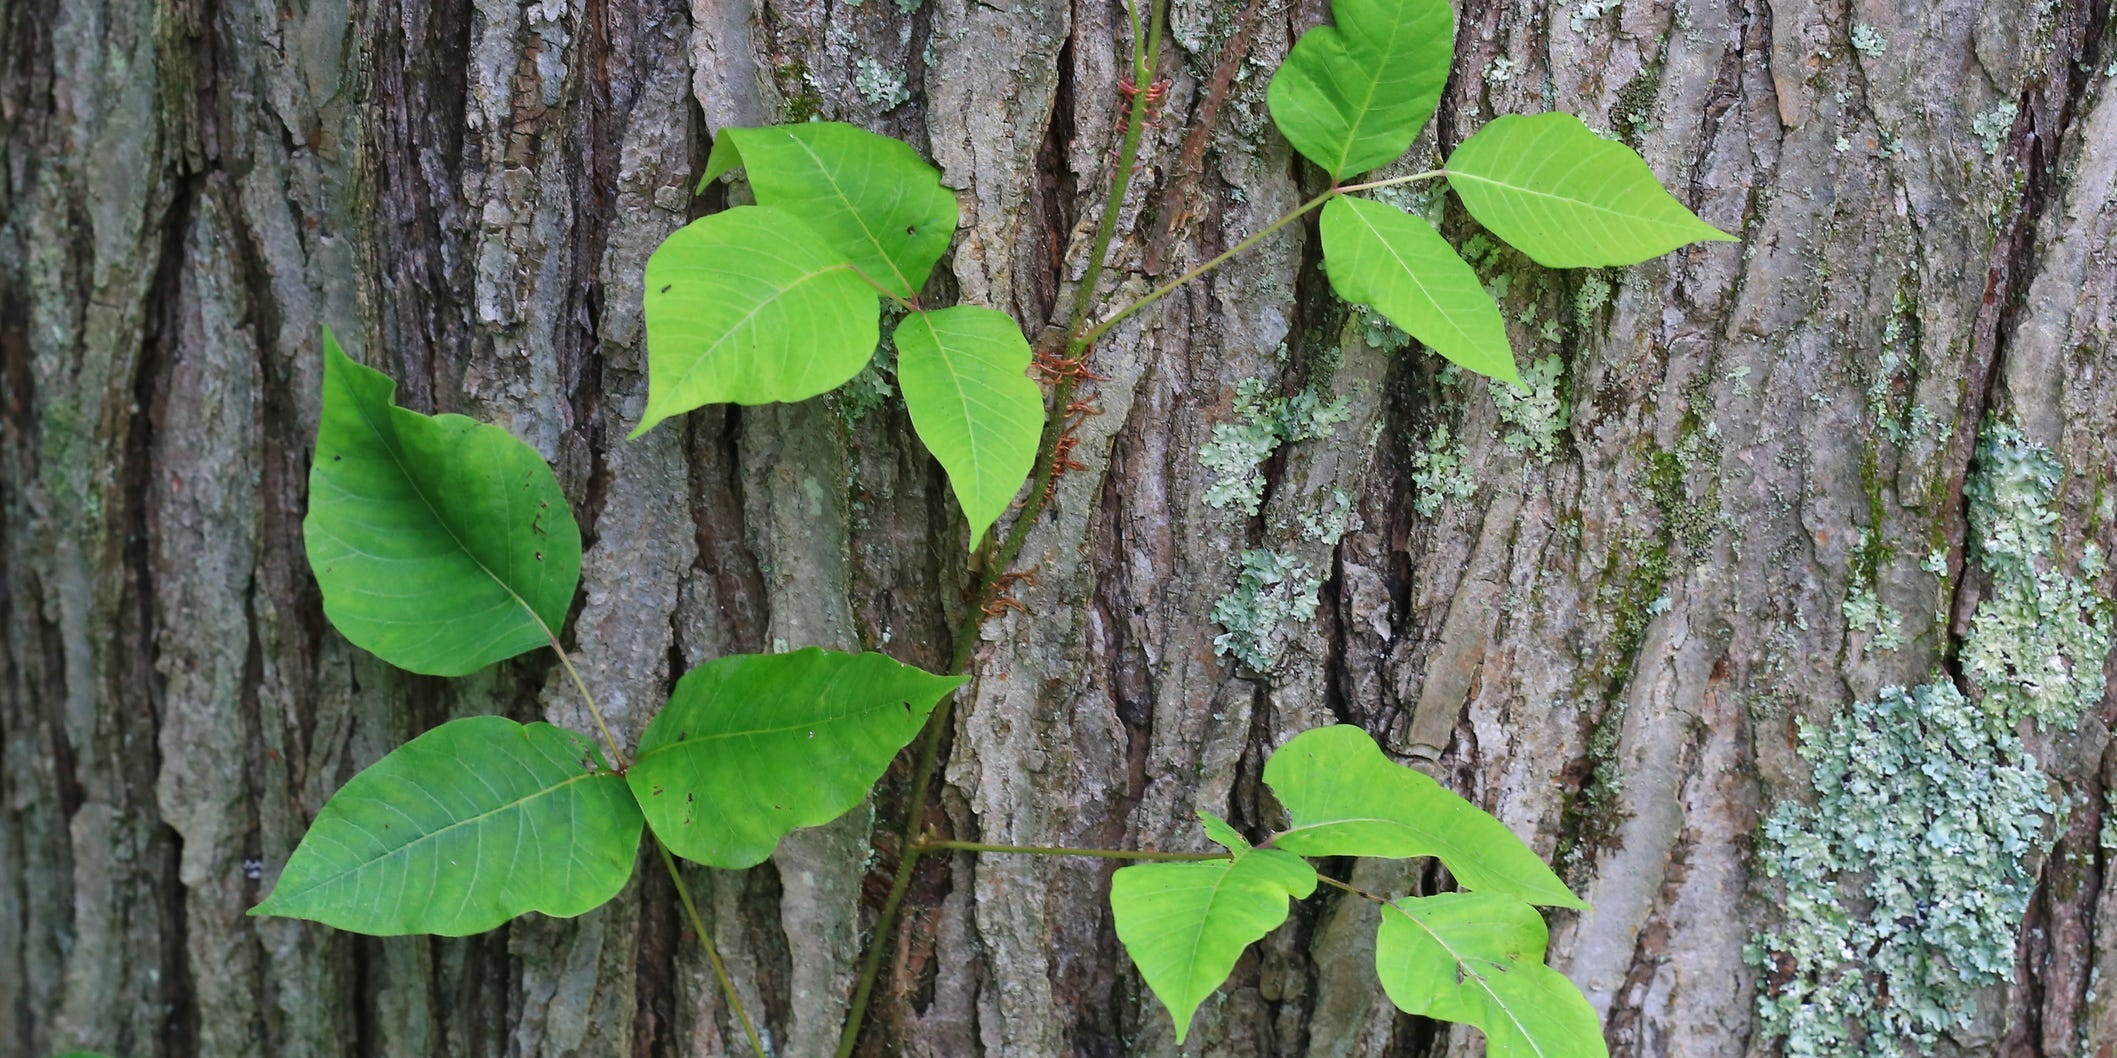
{"x":1054,"y":850}
{"x":1355,"y":890}
{"x":617,"y":753}
{"x":1298,"y":212}
{"x":1169,"y":287}
{"x":683,"y":892}
{"x":939,"y":723}
{"x":698,"y":926}
{"x":1430,"y":174}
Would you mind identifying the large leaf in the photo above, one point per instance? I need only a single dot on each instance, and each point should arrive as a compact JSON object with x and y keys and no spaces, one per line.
{"x":964,"y":372}
{"x":1185,"y":924}
{"x":751,"y":306}
{"x":1396,"y":264}
{"x":1478,"y":958}
{"x":871,"y":197}
{"x":1352,"y":96}
{"x":1567,"y":197}
{"x":461,"y":829}
{"x":442,"y":544}
{"x":1346,"y":799}
{"x":753,"y":746}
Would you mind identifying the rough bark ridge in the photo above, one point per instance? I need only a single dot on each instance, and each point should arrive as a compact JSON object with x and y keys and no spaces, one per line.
{"x":1598,"y":611}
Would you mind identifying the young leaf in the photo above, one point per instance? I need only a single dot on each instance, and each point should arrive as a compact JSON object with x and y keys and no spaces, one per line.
{"x":1478,"y":958}
{"x":964,"y":375}
{"x":753,"y":746}
{"x":442,"y":544}
{"x":1347,"y":799}
{"x":1352,"y":96}
{"x":1567,"y":197}
{"x":1396,"y":264}
{"x":871,"y":197}
{"x":1185,"y":924}
{"x":751,"y":306}
{"x":461,"y":829}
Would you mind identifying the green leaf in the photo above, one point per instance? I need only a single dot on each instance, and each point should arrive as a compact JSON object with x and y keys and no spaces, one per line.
{"x":461,"y":829}
{"x":1478,"y":958}
{"x":1346,"y":799}
{"x":751,"y":306}
{"x":964,"y":372}
{"x":872,"y":198}
{"x":1396,"y":264}
{"x":1352,"y":96}
{"x":753,"y":746}
{"x":1567,"y":197}
{"x":442,"y":544}
{"x":1185,"y":924}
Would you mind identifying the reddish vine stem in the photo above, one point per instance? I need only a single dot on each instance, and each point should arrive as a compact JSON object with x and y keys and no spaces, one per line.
{"x":1000,"y":560}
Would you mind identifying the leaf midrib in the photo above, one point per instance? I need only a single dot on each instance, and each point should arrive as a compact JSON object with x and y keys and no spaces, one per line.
{"x":1374,"y":84}
{"x":1464,"y":965}
{"x":830,"y":178}
{"x":433,"y":834}
{"x":397,"y":458}
{"x":1411,"y":273}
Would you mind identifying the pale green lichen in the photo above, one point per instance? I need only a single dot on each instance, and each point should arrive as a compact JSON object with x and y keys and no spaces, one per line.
{"x":1334,"y":517}
{"x":1589,"y":11}
{"x":1531,"y":423}
{"x":1500,"y":70}
{"x":1272,"y":591}
{"x":1909,"y":874}
{"x":1918,"y":796}
{"x":1236,"y":454}
{"x":1993,"y":125}
{"x":1439,"y":473}
{"x":1867,"y":41}
{"x":1865,"y":612}
{"x":878,"y":86}
{"x":2037,"y":643}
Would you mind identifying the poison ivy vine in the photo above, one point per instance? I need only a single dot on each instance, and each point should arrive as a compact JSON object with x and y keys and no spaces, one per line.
{"x":443,"y":545}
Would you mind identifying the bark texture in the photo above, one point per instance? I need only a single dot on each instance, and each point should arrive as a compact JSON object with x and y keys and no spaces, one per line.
{"x":1598,"y":612}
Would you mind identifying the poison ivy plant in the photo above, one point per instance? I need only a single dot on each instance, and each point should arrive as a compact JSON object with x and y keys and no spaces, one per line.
{"x":751,"y":747}
{"x":443,"y":545}
{"x":1474,"y":957}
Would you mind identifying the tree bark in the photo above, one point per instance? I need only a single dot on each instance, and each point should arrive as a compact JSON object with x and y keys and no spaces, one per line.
{"x":1601,"y":621}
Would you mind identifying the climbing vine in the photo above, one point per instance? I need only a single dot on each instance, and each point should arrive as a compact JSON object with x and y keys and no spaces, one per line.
{"x":444,"y":545}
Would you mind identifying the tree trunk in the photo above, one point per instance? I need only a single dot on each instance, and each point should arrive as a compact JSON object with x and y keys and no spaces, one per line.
{"x":1741,"y":497}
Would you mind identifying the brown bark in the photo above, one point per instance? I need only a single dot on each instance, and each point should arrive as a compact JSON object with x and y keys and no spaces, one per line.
{"x":1606,"y":644}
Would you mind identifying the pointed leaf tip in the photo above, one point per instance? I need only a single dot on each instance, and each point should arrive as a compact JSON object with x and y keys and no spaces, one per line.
{"x":1396,"y":264}
{"x":1185,"y":924}
{"x":964,"y":373}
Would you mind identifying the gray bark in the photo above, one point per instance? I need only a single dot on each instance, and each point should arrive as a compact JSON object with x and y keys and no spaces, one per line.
{"x":1607,"y":643}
